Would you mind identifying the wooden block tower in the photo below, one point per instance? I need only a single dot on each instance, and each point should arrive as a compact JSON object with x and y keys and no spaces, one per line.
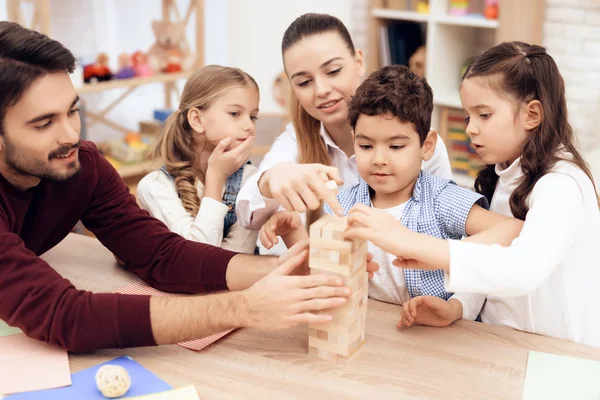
{"x":331,"y":254}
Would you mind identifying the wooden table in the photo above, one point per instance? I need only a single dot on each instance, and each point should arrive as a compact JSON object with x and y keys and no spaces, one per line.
{"x":465,"y":361}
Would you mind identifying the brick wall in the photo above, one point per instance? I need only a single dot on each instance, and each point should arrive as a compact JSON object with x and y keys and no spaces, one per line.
{"x":572,"y":36}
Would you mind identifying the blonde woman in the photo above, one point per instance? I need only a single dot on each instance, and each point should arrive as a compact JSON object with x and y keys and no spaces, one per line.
{"x":205,"y":148}
{"x":324,"y":70}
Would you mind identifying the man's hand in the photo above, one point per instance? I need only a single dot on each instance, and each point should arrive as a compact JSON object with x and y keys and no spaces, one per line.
{"x":279,"y":301}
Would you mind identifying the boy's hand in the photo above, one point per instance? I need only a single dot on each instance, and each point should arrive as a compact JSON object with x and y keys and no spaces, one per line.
{"x":430,"y":311}
{"x":281,"y":223}
{"x":378,"y":227}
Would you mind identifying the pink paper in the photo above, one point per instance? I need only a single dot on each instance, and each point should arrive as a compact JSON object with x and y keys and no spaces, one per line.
{"x":139,"y":288}
{"x":27,"y":364}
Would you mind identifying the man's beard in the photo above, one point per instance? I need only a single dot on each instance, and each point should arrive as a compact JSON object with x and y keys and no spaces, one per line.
{"x":24,"y":165}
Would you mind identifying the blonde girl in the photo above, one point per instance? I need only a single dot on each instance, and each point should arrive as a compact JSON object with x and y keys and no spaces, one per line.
{"x":205,"y":147}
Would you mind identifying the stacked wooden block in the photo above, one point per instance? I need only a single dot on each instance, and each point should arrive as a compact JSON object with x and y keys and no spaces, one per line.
{"x":332,"y":255}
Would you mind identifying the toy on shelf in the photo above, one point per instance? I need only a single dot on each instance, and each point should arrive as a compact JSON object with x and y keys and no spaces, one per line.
{"x":125,"y":69}
{"x":331,"y":254}
{"x":99,"y":71}
{"x":161,"y":115}
{"x":397,"y":4}
{"x":129,"y":150}
{"x":174,"y":59}
{"x":139,"y":62}
{"x":417,"y":62}
{"x":459,"y":8}
{"x":423,"y":7}
{"x":491,"y":9}
{"x":170,"y":45}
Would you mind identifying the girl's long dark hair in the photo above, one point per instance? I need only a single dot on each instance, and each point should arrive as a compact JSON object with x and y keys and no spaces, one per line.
{"x":528,"y":73}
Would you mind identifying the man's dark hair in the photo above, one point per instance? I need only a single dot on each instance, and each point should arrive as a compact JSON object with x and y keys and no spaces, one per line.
{"x":397,"y":91}
{"x":26,"y":55}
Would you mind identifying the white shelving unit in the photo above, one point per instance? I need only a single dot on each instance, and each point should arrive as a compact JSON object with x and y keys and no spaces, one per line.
{"x":452,"y":41}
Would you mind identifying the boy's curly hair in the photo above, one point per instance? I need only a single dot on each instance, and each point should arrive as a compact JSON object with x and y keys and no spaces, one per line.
{"x":394,"y":90}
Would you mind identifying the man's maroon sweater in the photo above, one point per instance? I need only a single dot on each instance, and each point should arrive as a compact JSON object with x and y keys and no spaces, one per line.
{"x":46,"y":306}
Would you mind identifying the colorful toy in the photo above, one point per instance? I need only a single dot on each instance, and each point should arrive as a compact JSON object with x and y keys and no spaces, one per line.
{"x":174,"y":58}
{"x":139,"y":61}
{"x":162,"y":115}
{"x":170,"y":44}
{"x":458,"y":8}
{"x":331,"y":254}
{"x":423,"y":7}
{"x":125,"y":69}
{"x":99,"y":71}
{"x":491,"y":9}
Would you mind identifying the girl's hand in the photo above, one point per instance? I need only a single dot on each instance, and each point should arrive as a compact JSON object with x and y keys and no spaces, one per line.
{"x":430,"y":311}
{"x":222,"y":162}
{"x":300,"y":187}
{"x":378,"y":227}
{"x":409,"y":263}
{"x":282,"y":223}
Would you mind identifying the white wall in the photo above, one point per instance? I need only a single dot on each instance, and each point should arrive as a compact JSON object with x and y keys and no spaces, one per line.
{"x":242,"y":33}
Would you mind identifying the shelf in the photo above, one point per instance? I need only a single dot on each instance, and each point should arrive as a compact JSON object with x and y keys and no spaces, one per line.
{"x":463,"y":180}
{"x":131,"y":83}
{"x":472,"y":22}
{"x":403,"y":15}
{"x":400,"y":15}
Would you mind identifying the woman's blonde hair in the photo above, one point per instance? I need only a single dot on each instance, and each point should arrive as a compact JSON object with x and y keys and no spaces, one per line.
{"x":311,"y":147}
{"x":176,"y":145}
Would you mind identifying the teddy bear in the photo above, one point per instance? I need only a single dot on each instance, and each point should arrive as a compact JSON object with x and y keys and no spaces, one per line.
{"x":170,"y":45}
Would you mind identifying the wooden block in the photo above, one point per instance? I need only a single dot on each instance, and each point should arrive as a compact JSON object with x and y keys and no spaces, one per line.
{"x":332,"y":255}
{"x":330,"y":244}
{"x":317,"y":226}
{"x":327,"y":355}
{"x":345,"y":345}
{"x":352,"y":354}
{"x":323,"y":335}
{"x":326,"y":265}
{"x":327,"y":230}
{"x":334,"y":337}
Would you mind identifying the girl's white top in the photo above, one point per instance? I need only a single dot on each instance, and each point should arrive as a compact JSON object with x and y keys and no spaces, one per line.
{"x":546,"y":281}
{"x":157,"y":193}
